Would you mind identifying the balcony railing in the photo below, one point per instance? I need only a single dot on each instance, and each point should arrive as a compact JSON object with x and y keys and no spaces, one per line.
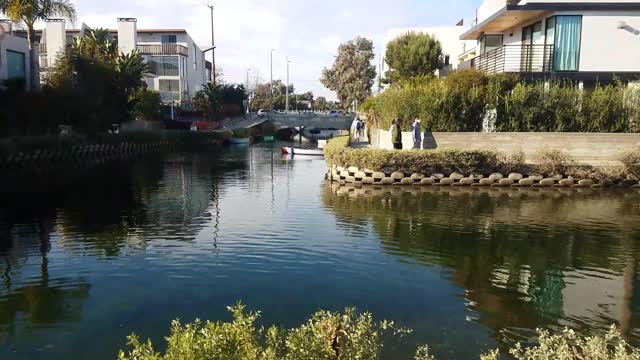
{"x":515,"y":58}
{"x":164,"y":49}
{"x":42,"y":48}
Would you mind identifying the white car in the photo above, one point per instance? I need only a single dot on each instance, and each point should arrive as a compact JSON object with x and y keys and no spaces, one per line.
{"x":263,"y":112}
{"x":336,"y":113}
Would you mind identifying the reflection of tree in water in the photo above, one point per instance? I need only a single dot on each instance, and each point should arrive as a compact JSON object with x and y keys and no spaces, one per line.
{"x":39,"y":302}
{"x":525,"y":259}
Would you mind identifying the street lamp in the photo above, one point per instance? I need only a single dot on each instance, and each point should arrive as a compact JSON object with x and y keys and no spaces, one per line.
{"x":287,"y":99}
{"x":247,"y":88}
{"x":212,"y":48}
{"x":271,"y":84}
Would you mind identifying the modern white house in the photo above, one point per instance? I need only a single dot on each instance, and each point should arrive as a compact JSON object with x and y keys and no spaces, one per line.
{"x":587,"y":41}
{"x":178,"y":65}
{"x":14,"y":55}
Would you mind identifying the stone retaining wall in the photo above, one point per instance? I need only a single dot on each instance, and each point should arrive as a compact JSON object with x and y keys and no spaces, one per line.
{"x":352,"y":175}
{"x":589,"y":148}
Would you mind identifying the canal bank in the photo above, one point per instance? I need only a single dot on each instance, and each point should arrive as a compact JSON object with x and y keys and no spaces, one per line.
{"x":481,"y":165}
{"x":37,"y":151}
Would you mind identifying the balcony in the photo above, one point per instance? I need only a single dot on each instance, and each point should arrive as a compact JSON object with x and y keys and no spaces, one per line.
{"x":514,"y":59}
{"x":42,"y":48}
{"x":164,"y":49}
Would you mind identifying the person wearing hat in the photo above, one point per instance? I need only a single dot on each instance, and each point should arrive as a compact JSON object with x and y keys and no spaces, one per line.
{"x":417,"y":135}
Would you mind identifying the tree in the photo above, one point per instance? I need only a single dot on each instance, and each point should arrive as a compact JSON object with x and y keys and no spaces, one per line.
{"x":352,"y":74}
{"x":31,"y":11}
{"x":320,"y":103}
{"x":148,"y":105}
{"x":220,"y":100}
{"x":411,"y":55}
{"x":106,"y":81}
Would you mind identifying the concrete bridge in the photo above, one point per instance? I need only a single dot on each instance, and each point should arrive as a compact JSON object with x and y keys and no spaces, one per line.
{"x":289,"y":121}
{"x":310,"y":120}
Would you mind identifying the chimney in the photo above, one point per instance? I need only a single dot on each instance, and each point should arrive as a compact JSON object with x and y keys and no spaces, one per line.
{"x":55,"y":39}
{"x":127,"y":35}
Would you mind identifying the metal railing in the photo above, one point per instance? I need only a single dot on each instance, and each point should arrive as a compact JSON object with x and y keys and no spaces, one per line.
{"x":42,"y":48}
{"x":515,"y":58}
{"x":164,"y":49}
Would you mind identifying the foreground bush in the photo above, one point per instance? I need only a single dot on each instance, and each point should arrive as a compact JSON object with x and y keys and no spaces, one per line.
{"x":569,"y":346}
{"x":343,"y":336}
{"x":327,"y":335}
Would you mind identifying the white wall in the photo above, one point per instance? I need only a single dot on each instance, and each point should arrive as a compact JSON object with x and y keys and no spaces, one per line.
{"x":18,"y":44}
{"x":607,"y":48}
{"x":127,"y":35}
{"x":56,"y":40}
{"x":490,"y":7}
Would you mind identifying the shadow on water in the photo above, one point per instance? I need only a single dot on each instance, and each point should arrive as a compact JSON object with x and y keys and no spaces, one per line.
{"x":525,"y":259}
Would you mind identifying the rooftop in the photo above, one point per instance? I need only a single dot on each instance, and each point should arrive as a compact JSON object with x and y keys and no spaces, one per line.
{"x":511,"y":16}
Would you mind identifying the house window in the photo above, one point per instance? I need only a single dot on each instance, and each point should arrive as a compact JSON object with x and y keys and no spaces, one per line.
{"x":447,"y":59}
{"x":195,"y":57}
{"x":564,"y":33}
{"x":489,"y":43}
{"x":169,"y":89}
{"x":16,"y":68}
{"x":168,"y":39}
{"x":164,"y":65}
{"x":532,"y":35}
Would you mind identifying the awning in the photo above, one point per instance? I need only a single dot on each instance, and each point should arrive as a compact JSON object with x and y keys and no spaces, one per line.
{"x":502,"y":21}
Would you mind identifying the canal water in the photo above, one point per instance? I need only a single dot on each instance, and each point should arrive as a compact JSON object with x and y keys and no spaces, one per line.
{"x":92,"y":255}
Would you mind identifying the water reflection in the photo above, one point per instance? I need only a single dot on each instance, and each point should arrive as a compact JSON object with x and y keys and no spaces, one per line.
{"x":88,"y":258}
{"x":525,"y":259}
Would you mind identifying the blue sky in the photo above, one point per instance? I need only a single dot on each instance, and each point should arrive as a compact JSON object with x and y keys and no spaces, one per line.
{"x":309,"y":32}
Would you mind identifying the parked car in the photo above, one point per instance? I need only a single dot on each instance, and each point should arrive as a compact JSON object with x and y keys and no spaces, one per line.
{"x":336,"y":113}
{"x":263,"y":112}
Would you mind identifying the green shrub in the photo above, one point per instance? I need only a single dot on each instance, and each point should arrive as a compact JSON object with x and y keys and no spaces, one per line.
{"x":631,"y":162}
{"x":327,"y":335}
{"x":554,"y":162}
{"x":148,"y":105}
{"x":344,"y":335}
{"x":461,"y":101}
{"x":569,"y":346}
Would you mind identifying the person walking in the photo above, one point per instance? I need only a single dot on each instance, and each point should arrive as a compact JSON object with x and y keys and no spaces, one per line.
{"x":417,"y":134}
{"x":396,"y":134}
{"x":359,"y":126}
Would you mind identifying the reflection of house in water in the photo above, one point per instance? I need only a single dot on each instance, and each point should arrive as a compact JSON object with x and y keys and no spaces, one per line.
{"x":165,"y":198}
{"x":524,"y":259}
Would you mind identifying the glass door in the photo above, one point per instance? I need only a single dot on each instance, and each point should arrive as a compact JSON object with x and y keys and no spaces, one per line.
{"x":532,"y":50}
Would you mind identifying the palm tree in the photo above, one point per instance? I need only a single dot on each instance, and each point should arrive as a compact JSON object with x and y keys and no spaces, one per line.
{"x":31,"y":11}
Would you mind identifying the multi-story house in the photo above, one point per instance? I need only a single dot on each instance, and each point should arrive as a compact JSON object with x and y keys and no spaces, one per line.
{"x":587,"y":41}
{"x":14,"y":55}
{"x":178,"y":68}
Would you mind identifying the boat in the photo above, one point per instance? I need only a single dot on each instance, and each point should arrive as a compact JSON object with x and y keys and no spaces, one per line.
{"x":239,"y":141}
{"x":296,"y":151}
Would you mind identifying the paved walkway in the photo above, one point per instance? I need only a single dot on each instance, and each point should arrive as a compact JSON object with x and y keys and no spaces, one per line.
{"x":361,"y":143}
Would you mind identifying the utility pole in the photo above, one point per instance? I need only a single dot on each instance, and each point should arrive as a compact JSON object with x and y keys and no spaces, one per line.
{"x":271,"y":84}
{"x":287,"y":99}
{"x":213,"y":50}
{"x":247,"y":88}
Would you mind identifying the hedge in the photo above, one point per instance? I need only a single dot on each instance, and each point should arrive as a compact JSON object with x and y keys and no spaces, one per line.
{"x":482,"y":162}
{"x":467,"y":99}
